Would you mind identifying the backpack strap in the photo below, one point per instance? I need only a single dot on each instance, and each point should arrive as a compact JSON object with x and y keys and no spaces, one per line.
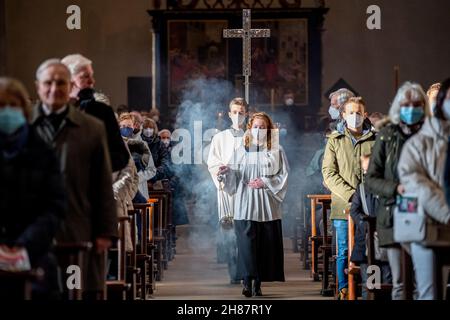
{"x":363,"y":199}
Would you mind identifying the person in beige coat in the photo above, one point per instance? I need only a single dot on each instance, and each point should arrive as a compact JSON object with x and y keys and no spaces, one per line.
{"x":125,"y":188}
{"x":421,"y":171}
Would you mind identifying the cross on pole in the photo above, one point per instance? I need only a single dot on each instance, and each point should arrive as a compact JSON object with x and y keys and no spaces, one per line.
{"x":246,"y":33}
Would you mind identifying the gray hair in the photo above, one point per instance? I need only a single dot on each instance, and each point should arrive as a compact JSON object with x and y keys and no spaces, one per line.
{"x":49,"y":63}
{"x":345,"y":91}
{"x":164,"y":131}
{"x":75,"y":62}
{"x":408,"y":91}
{"x":101,"y":97}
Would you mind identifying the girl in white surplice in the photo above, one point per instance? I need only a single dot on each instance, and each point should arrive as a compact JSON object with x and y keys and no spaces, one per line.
{"x":259,"y":182}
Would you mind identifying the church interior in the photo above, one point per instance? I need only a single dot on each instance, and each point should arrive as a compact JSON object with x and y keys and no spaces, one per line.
{"x":224,"y":150}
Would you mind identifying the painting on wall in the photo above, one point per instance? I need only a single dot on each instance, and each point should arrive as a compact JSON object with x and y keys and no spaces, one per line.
{"x":280,"y":63}
{"x":196,"y":50}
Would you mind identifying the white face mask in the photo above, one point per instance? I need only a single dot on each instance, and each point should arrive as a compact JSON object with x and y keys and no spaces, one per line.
{"x":289,"y":102}
{"x":259,"y":135}
{"x":237,"y":119}
{"x":148,"y":132}
{"x":334,"y":113}
{"x":166,"y":141}
{"x":354,"y":121}
{"x":446,"y":109}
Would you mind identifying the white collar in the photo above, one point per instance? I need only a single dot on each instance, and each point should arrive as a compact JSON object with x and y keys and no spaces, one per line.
{"x":48,"y":111}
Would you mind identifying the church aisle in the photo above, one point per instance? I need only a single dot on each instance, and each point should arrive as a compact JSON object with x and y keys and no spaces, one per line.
{"x":195,"y":275}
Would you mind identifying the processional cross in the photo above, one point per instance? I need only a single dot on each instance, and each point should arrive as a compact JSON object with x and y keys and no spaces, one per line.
{"x":246,"y":33}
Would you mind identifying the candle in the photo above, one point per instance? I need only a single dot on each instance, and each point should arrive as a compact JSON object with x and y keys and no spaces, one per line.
{"x":272,"y":99}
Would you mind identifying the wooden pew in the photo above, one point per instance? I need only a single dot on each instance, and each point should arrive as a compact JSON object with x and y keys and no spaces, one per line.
{"x":353,"y":270}
{"x":72,"y":254}
{"x":314,"y":239}
{"x":161,"y":235}
{"x":164,"y":226}
{"x":145,"y":250}
{"x":386,"y":288}
{"x":133,"y":271}
{"x":20,"y":283}
{"x":326,"y":247}
{"x":117,"y":289}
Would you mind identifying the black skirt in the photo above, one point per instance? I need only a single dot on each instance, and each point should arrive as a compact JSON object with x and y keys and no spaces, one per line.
{"x":260,"y":250}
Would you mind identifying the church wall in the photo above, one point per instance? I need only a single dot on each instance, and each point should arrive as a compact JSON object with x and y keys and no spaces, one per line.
{"x":116,"y":35}
{"x":414,"y":36}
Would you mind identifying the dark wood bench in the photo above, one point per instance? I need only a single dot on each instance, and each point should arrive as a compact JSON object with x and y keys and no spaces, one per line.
{"x":72,"y":254}
{"x":20,"y":282}
{"x":315,"y":199}
{"x":117,"y":289}
{"x":145,"y":250}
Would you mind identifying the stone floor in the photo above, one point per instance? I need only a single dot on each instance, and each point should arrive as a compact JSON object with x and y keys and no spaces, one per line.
{"x":195,"y":275}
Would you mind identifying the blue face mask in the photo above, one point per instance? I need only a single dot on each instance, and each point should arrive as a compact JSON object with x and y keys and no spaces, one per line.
{"x":446,"y":109}
{"x":411,"y":115}
{"x":11,"y":119}
{"x":126,"y":132}
{"x":334,"y":113}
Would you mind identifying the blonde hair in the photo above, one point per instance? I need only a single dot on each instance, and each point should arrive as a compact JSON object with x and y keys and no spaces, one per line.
{"x":357,"y":100}
{"x":239,"y":102}
{"x":17,"y":89}
{"x":125,"y":116}
{"x":137,"y":117}
{"x":433,"y":87}
{"x":408,"y":91}
{"x":248,"y":137}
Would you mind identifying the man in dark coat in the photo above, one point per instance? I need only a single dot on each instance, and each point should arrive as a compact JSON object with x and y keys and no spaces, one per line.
{"x":80,"y":142}
{"x":83,"y":94}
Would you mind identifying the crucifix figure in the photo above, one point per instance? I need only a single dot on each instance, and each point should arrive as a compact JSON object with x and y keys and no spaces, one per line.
{"x":246,"y":33}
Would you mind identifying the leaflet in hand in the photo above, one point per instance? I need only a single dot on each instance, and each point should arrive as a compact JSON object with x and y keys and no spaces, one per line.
{"x":14,"y":260}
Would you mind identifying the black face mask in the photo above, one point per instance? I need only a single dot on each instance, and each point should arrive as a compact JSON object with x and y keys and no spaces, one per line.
{"x":410,"y":130}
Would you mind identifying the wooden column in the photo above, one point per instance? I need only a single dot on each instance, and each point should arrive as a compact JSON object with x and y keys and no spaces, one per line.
{"x":2,"y":37}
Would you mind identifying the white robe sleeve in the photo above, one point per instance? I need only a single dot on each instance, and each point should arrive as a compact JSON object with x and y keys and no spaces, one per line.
{"x":276,"y":184}
{"x":214,"y":161}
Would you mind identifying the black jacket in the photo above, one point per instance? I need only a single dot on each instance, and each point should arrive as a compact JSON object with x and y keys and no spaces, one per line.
{"x":382,"y":178}
{"x":117,"y":150}
{"x":161,"y":158}
{"x":33,"y":204}
{"x":358,"y":255}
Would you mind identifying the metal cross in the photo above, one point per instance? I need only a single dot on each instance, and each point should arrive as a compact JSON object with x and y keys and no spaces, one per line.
{"x":246,"y":33}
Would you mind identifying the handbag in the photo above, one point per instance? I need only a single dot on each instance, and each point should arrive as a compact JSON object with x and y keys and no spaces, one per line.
{"x":380,"y":253}
{"x":411,"y":224}
{"x":409,"y":219}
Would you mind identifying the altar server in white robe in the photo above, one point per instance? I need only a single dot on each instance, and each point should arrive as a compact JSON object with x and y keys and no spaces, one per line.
{"x":258,"y":182}
{"x":221,"y":152}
